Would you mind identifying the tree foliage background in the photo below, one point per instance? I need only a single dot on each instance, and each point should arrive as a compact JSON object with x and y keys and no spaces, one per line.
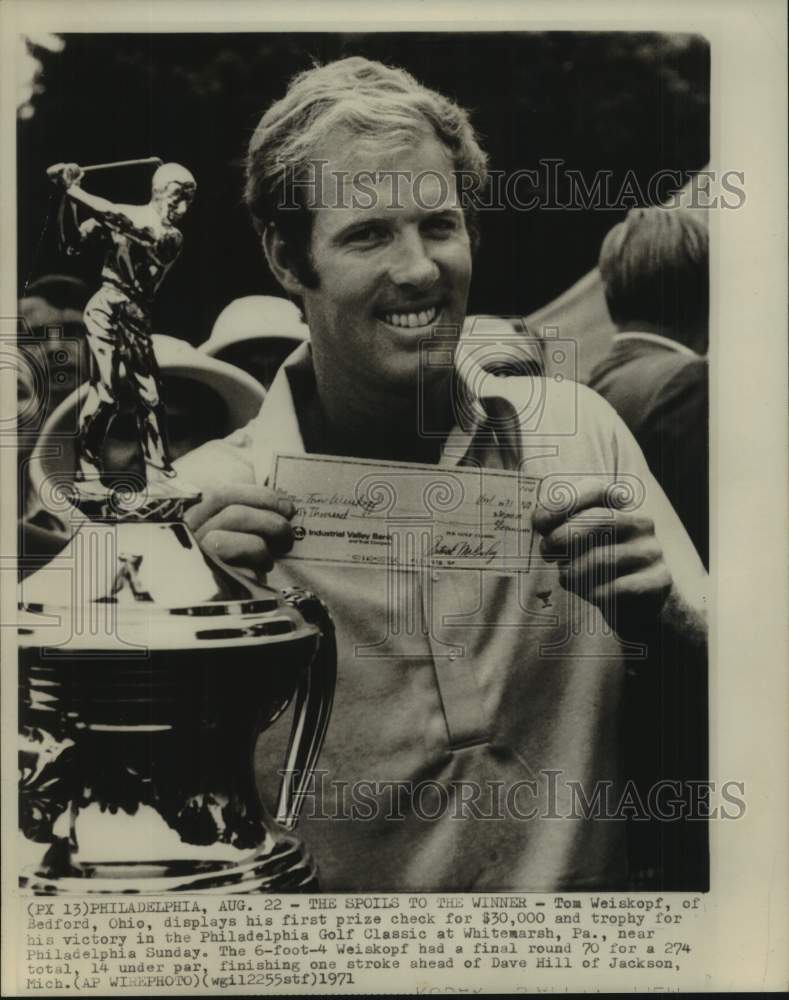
{"x":613,"y":102}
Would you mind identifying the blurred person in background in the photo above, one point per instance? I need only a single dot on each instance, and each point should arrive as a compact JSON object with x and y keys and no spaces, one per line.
{"x":654,"y":267}
{"x":654,"y":270}
{"x":52,"y":337}
{"x":202,"y":398}
{"x":51,"y":361}
{"x":257,"y":333}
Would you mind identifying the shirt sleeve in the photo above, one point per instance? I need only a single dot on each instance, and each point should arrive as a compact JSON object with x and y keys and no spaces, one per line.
{"x":220,"y":462}
{"x":680,"y":555}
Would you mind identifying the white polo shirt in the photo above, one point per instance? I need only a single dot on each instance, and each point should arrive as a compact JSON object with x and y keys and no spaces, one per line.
{"x":475,"y":712}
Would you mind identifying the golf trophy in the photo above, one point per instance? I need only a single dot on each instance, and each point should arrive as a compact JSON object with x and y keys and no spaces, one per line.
{"x":147,"y":668}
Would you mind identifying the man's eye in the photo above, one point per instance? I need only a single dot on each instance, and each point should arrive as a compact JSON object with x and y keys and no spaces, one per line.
{"x":441,"y":226}
{"x":368,"y":235}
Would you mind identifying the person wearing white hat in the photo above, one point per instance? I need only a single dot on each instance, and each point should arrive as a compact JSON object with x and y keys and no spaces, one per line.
{"x":257,"y":333}
{"x":51,"y":359}
{"x":203,"y":398}
{"x":52,"y":338}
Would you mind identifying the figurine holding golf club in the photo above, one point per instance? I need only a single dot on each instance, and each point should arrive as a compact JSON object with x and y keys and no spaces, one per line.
{"x":143,"y":242}
{"x":148,"y":670}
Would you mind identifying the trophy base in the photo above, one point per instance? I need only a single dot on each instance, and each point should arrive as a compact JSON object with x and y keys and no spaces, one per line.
{"x":283,"y":866}
{"x":141,"y":699}
{"x":125,"y":501}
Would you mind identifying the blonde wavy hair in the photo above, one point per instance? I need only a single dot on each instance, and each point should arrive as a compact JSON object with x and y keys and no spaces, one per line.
{"x":382,"y":106}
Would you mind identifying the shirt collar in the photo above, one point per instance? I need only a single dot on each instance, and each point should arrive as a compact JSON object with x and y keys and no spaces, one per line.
{"x":488,"y":406}
{"x":656,"y":338}
{"x":279,"y":411}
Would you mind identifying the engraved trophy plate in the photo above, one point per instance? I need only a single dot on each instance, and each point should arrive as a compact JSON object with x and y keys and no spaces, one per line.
{"x":147,"y":669}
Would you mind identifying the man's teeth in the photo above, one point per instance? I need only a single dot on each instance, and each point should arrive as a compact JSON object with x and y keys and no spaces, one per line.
{"x":412,"y":319}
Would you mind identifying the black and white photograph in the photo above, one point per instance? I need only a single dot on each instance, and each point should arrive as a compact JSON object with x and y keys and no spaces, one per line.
{"x":368,"y":543}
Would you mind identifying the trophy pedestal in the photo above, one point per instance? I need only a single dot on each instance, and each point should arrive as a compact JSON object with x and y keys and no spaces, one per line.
{"x":147,"y":672}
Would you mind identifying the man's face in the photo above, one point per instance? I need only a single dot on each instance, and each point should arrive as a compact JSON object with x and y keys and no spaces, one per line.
{"x":393,"y":261}
{"x":175,"y":202}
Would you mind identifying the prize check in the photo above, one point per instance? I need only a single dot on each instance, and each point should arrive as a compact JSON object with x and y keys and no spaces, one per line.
{"x":407,"y":515}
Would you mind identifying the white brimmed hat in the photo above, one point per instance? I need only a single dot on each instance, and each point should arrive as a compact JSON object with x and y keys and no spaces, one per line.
{"x":255,"y":317}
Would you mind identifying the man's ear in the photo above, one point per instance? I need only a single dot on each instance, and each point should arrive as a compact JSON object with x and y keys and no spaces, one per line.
{"x":280,"y":261}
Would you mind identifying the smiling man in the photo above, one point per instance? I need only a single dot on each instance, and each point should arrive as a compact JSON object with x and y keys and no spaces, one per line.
{"x":392,"y":261}
{"x":477,"y":714}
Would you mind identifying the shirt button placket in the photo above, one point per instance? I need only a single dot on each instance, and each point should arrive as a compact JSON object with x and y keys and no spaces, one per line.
{"x":457,"y":686}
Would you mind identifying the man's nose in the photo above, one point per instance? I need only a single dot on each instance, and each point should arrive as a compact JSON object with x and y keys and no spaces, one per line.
{"x":412,"y":264}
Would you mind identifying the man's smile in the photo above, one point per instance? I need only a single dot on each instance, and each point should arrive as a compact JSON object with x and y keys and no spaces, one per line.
{"x":411,"y":318}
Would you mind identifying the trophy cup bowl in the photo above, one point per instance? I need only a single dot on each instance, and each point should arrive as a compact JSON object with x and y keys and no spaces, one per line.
{"x":147,"y":671}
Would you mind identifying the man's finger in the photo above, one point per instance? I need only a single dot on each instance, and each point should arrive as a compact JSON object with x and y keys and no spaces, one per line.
{"x":630,"y":603}
{"x":238,"y":549}
{"x":655,"y":580}
{"x":245,"y":495}
{"x":602,"y":564}
{"x":273,"y":527}
{"x":594,"y":526}
{"x":603,"y":494}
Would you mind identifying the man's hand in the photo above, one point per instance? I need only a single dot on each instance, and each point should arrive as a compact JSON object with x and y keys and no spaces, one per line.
{"x":65,"y":174}
{"x":608,"y":556}
{"x":90,"y":229}
{"x":243,"y":525}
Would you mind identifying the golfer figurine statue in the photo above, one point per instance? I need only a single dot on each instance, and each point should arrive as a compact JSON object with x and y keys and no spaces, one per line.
{"x":142,"y":243}
{"x":148,"y":669}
